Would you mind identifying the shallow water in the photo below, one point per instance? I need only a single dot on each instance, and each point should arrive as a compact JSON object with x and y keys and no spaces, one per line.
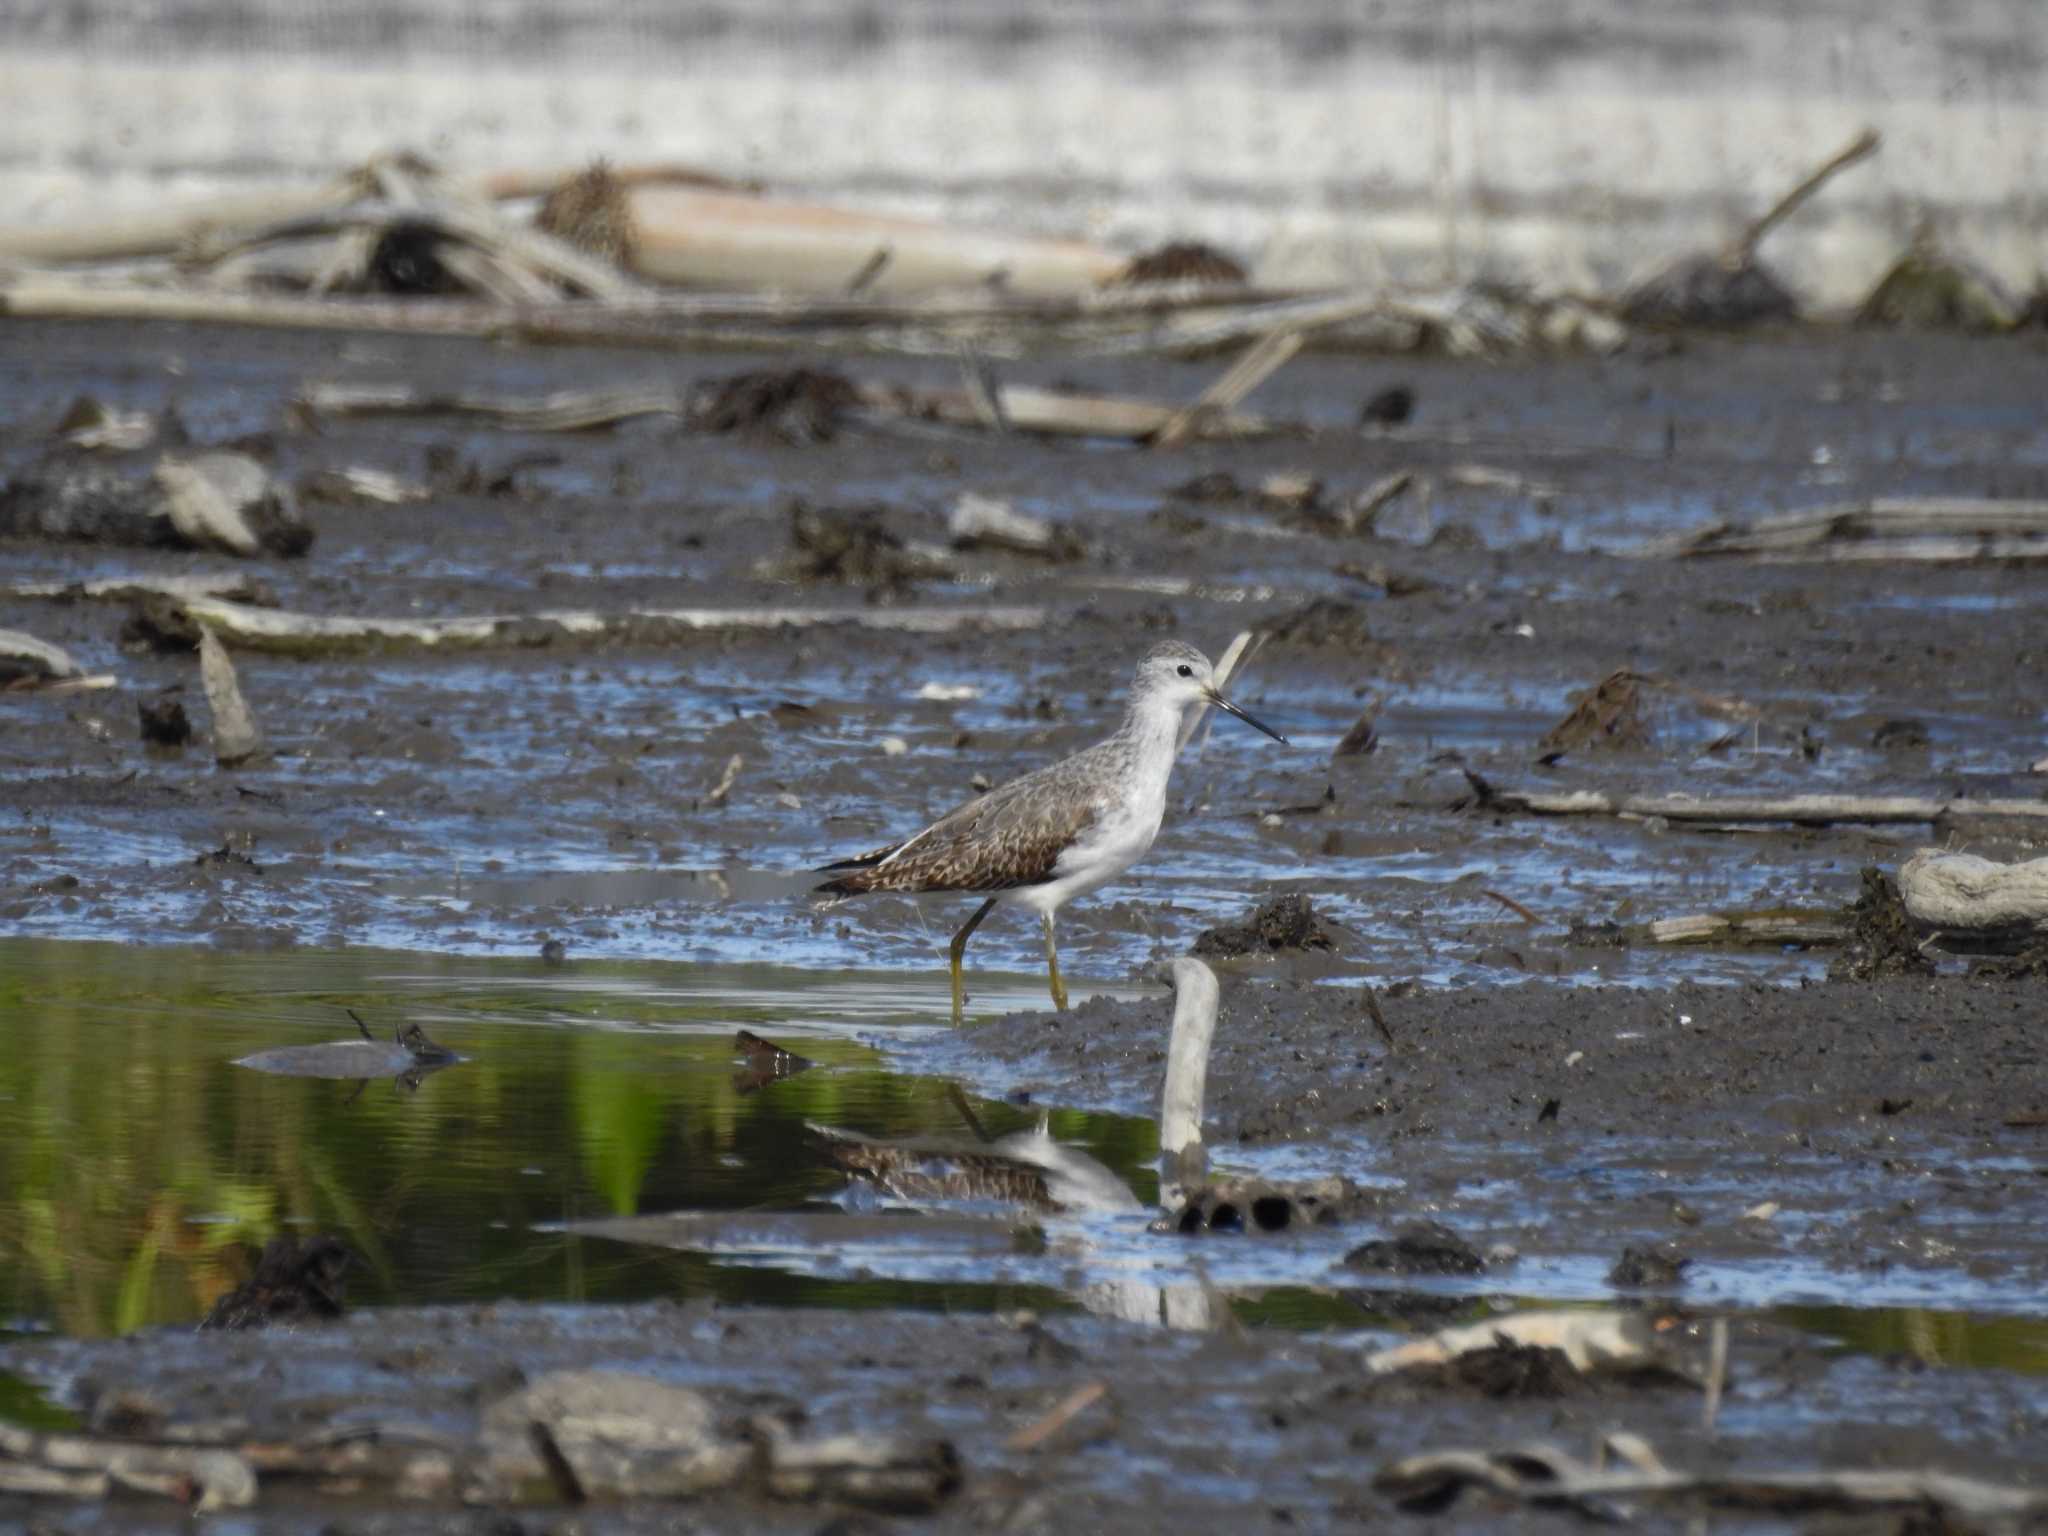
{"x":142,"y":1165}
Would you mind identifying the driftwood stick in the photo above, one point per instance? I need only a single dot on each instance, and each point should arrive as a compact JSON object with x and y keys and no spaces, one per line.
{"x":1546,"y":1477}
{"x":569,"y":410}
{"x":478,"y":225}
{"x":1969,"y":522}
{"x":305,"y":634}
{"x":1743,"y":252}
{"x":1265,"y":357}
{"x":1796,"y":810}
{"x":1051,"y":413}
{"x":160,"y":232}
{"x":1765,"y":929}
{"x":1018,"y":407}
{"x":127,"y":588}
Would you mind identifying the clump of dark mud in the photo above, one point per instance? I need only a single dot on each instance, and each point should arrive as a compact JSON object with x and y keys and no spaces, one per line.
{"x":1182,"y":261}
{"x":1388,"y":407}
{"x":591,"y":211}
{"x":293,"y":1282}
{"x":853,"y":545}
{"x":1419,"y":1248}
{"x":1649,"y":1269}
{"x":88,"y":504}
{"x":2029,"y":964}
{"x":163,"y":720}
{"x":407,"y":260}
{"x":1882,"y":938}
{"x":1505,"y":1370}
{"x":1709,"y":293}
{"x":1608,"y":716}
{"x":1285,"y":923}
{"x":1326,"y":623}
{"x":1216,"y":487}
{"x":159,"y":625}
{"x":791,"y":405}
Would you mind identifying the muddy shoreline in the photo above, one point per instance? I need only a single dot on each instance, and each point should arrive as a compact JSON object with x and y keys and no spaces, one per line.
{"x":1806,"y":1143}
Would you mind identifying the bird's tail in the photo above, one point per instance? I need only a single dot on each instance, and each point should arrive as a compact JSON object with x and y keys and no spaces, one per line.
{"x":857,"y":878}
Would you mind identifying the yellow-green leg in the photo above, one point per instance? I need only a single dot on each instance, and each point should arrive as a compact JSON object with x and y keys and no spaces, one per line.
{"x":959,"y":948}
{"x":1052,"y":968}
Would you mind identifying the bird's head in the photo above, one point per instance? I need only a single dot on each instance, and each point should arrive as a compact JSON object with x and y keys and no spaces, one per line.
{"x":1175,"y":672}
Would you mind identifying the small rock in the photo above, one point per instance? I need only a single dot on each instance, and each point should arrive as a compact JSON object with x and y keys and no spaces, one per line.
{"x":553,"y":952}
{"x":1900,"y":735}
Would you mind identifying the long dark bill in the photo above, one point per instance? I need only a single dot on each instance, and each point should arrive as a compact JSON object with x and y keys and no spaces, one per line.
{"x":1258,"y":725}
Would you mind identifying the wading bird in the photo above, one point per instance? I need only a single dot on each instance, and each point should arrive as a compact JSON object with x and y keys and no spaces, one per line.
{"x":1060,"y":832}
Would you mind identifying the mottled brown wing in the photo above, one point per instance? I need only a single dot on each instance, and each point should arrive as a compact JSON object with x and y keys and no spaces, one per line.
{"x":1011,"y":836}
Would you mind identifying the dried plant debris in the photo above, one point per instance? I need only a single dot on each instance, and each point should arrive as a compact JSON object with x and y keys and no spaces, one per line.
{"x":793,"y":405}
{"x":1883,"y":940}
{"x":26,"y":662}
{"x":1609,"y":716}
{"x":95,"y":426}
{"x":1182,"y":261}
{"x":294,"y":1282}
{"x":1929,"y":290}
{"x":1627,"y":1472}
{"x":1418,"y":1248}
{"x":592,"y":211}
{"x":1285,"y":923}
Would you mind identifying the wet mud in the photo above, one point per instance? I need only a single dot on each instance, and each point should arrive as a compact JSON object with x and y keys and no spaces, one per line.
{"x":1244,"y":1429}
{"x":1459,"y":1042}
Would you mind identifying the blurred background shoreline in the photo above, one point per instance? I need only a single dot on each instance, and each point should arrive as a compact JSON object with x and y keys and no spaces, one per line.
{"x":1571,"y":146}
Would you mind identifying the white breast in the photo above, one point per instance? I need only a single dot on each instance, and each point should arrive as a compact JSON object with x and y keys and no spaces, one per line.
{"x":1112,"y":845}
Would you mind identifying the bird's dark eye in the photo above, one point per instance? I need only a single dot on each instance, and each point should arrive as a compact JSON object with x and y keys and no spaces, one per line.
{"x":1185,"y":670}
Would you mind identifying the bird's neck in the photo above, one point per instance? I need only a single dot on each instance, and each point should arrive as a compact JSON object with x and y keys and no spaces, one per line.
{"x":1151,"y":732}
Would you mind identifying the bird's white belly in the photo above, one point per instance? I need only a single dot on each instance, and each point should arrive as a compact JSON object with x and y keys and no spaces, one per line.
{"x":1115,"y":843}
